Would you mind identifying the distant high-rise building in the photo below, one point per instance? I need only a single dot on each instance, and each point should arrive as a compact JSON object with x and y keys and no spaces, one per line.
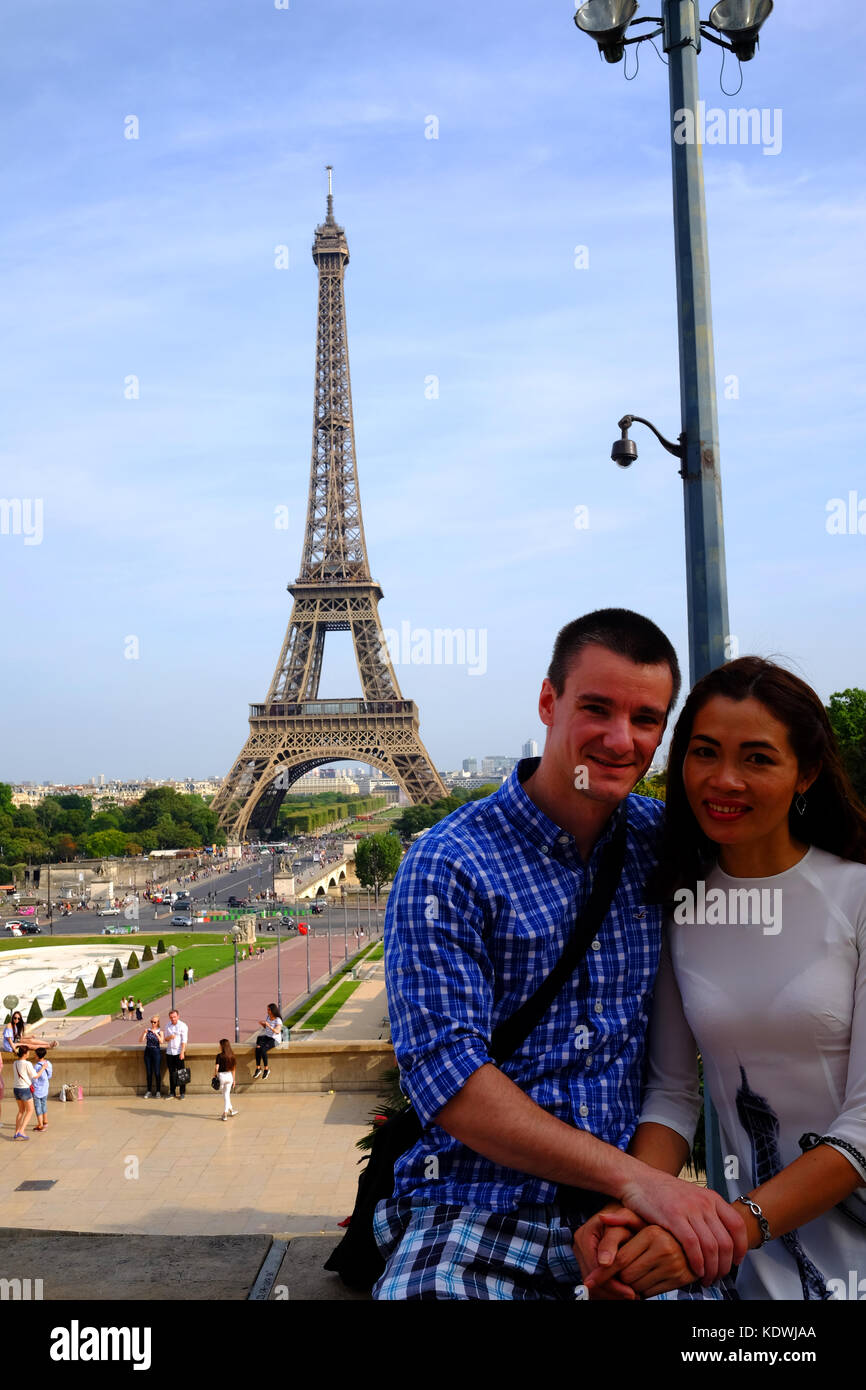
{"x":470,"y":765}
{"x":497,"y":763}
{"x":529,"y":749}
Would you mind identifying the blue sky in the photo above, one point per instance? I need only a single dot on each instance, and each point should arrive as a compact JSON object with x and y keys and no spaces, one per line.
{"x":154,"y":257}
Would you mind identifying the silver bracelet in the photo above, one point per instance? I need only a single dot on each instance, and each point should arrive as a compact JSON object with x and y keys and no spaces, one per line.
{"x":763,"y":1223}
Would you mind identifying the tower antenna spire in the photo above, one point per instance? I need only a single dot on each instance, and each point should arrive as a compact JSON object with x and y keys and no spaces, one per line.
{"x":330,"y":169}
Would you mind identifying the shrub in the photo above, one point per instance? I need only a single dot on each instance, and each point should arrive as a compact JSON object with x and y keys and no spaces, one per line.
{"x":99,"y":980}
{"x":147,"y":953}
{"x":160,"y":947}
{"x":35,"y":1012}
{"x":132,"y":963}
{"x":58,"y":1002}
{"x":80,"y":990}
{"x":117,"y":970}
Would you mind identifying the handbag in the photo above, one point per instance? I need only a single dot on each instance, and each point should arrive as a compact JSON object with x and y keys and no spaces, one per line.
{"x":183,"y":1076}
{"x":357,"y":1259}
{"x":215,"y":1084}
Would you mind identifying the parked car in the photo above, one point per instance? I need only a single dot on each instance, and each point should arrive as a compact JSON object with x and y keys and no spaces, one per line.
{"x":108,"y":912}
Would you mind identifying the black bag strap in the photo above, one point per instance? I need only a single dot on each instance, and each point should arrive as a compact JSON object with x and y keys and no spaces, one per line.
{"x":509,"y":1035}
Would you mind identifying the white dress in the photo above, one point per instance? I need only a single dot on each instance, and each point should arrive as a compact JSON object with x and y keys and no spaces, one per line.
{"x":773,"y":994}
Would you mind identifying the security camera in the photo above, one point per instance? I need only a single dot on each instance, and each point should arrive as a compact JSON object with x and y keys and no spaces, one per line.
{"x":624,"y":451}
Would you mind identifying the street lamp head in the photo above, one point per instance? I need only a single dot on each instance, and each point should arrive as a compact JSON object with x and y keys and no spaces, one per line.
{"x":606,"y":21}
{"x":624,"y":451}
{"x":740,"y":21}
{"x":172,"y":950}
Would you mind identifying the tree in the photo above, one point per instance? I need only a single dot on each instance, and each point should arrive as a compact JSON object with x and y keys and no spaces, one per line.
{"x":35,"y":1012}
{"x":58,"y":1002}
{"x":117,"y":970}
{"x":147,"y":953}
{"x":847,"y":714}
{"x":377,"y":859}
{"x":106,"y":844}
{"x":132,"y":963}
{"x":160,"y":947}
{"x":80,"y":991}
{"x":99,"y":980}
{"x":651,"y":786}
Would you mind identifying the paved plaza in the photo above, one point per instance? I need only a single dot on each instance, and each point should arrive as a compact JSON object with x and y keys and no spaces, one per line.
{"x":285,"y":1164}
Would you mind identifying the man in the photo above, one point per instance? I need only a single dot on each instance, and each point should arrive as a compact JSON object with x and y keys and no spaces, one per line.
{"x":515,"y":1157}
{"x":176,"y":1038}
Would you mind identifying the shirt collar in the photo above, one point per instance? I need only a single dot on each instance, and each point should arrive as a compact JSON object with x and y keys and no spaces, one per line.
{"x":533,"y":824}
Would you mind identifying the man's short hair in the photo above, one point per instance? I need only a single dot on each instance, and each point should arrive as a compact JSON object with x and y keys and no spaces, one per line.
{"x":618,"y":630}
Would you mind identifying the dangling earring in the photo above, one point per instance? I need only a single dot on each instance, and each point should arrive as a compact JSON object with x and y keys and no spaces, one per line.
{"x":800,"y":803}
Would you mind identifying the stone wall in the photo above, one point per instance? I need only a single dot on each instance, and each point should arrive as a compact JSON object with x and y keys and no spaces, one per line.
{"x":295,"y":1066}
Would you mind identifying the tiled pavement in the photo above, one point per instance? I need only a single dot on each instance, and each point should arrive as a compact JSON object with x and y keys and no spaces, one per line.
{"x":286,"y":1163}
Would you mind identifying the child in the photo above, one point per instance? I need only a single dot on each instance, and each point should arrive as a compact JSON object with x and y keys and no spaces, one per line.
{"x":42,"y":1075}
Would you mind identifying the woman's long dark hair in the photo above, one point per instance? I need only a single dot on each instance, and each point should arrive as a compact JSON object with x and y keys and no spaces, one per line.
{"x":834,"y":819}
{"x":17,"y":1021}
{"x":226,"y":1054}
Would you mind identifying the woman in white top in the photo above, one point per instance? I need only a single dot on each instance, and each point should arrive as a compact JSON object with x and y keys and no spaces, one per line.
{"x":24,"y":1074}
{"x":271,"y":1036}
{"x":763,"y":864}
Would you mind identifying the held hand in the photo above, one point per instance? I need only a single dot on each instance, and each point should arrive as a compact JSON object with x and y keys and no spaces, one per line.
{"x":650,"y":1262}
{"x":596,"y":1244}
{"x":711,"y":1233}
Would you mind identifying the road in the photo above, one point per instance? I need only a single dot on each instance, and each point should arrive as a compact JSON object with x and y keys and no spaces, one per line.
{"x":250,"y":878}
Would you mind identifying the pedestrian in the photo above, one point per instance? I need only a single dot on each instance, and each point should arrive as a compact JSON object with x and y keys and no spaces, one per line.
{"x":123,"y":1008}
{"x":271,"y":1036}
{"x":41,"y":1077}
{"x":153,"y":1038}
{"x":186,"y":976}
{"x":2,"y":1088}
{"x":191,"y":974}
{"x":139,"y":1014}
{"x":176,"y":1037}
{"x":23,"y":1073}
{"x":515,"y":1143}
{"x":12,"y":1032}
{"x":225,"y":1064}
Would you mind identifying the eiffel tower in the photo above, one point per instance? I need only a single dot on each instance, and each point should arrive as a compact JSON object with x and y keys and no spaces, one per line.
{"x":294,"y":731}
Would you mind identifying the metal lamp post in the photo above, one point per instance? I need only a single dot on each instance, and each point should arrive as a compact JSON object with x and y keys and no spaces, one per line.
{"x":279,"y":977}
{"x":733,"y":25}
{"x":172,"y":951}
{"x":237,"y":1010}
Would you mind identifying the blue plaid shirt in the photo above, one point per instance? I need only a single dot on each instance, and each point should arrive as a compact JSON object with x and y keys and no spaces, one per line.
{"x":480,"y":912}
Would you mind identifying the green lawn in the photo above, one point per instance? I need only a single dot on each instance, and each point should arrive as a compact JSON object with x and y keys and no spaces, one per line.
{"x":334,"y":1002}
{"x":320,"y":993}
{"x":153,"y":981}
{"x":120,"y":944}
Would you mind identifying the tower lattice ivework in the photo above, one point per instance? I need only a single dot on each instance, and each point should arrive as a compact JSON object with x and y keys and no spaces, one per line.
{"x":294,"y":731}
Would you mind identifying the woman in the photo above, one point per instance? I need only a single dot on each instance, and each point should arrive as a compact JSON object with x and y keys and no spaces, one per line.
{"x":224,"y":1070}
{"x":763,"y":863}
{"x":153,"y":1040}
{"x":23,"y":1073}
{"x":271,"y":1037}
{"x":13,"y":1032}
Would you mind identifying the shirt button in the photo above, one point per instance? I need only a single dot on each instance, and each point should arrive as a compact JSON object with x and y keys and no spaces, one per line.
{"x":588,"y":1062}
{"x":563,"y":840}
{"x":544,"y":849}
{"x":584,"y":1110}
{"x":598,"y":1006}
{"x":596,"y":945}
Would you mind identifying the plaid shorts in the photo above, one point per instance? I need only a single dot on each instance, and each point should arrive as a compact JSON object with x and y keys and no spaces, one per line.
{"x":454,"y":1252}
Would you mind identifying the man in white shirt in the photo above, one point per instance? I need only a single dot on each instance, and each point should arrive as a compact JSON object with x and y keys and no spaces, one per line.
{"x":176,"y":1038}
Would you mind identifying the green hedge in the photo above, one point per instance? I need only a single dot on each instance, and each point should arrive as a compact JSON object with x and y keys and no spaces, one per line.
{"x":99,"y":980}
{"x":35,"y":1012}
{"x":58,"y":1002}
{"x":80,"y":990}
